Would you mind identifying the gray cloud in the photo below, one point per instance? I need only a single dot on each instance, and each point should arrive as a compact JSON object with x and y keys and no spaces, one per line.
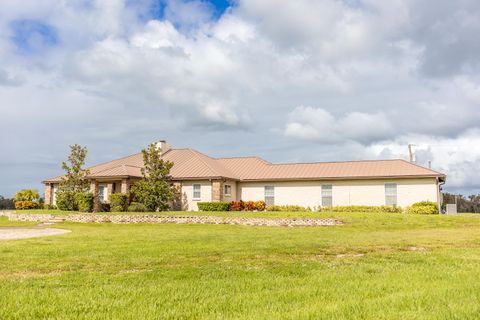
{"x":372,"y":76}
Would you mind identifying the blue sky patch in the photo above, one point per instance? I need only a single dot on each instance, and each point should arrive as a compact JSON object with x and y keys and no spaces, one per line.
{"x":33,"y":36}
{"x":157,"y":9}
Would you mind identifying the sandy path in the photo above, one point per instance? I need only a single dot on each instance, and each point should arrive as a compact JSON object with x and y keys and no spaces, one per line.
{"x":24,"y":233}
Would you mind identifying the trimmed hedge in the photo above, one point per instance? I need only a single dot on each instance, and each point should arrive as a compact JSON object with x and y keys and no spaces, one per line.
{"x":118,"y":202}
{"x":213,"y":206}
{"x":66,"y":201}
{"x":137,"y":207}
{"x":288,"y":208}
{"x":364,"y":209}
{"x":26,"y":205}
{"x":84,"y":201}
{"x":423,"y":207}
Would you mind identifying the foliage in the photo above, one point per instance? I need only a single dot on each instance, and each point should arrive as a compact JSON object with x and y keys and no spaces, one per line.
{"x":6,"y":203}
{"x":464,"y":204}
{"x":424,"y":207}
{"x":213,"y":206}
{"x":27,"y":195}
{"x":66,"y":201}
{"x":49,"y":207}
{"x":154,"y":189}
{"x":74,"y":179}
{"x":260,"y":205}
{"x":118,"y":202}
{"x":105,"y":207}
{"x":288,"y":208}
{"x":236,"y":205}
{"x":137,"y":207}
{"x":26,"y":205}
{"x":84,"y":201}
{"x":365,"y":209}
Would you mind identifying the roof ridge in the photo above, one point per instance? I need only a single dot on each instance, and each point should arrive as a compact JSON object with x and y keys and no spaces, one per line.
{"x":417,"y":165}
{"x":244,"y":157}
{"x":325,"y":162}
{"x":197,"y":153}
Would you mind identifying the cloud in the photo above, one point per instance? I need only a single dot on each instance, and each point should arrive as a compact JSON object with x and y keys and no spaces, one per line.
{"x":319,"y":125}
{"x":326,"y":80}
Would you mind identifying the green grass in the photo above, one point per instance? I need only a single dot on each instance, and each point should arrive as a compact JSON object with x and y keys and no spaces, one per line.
{"x":376,"y":266}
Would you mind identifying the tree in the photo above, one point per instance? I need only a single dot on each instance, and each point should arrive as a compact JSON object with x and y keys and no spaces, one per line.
{"x":27,"y":195}
{"x":154,"y":190}
{"x":7,"y":204}
{"x":74,"y":180}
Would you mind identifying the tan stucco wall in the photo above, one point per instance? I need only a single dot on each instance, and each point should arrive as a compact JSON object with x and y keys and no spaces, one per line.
{"x":187,"y":193}
{"x":352,"y":192}
{"x":233,"y":196}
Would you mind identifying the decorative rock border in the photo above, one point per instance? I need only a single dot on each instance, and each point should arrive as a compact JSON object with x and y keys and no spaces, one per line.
{"x":126,"y":219}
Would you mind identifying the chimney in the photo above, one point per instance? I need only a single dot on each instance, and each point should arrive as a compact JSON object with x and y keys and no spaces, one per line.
{"x":163,"y":146}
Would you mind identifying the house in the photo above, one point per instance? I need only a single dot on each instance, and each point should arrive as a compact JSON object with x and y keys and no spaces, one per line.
{"x":203,"y":178}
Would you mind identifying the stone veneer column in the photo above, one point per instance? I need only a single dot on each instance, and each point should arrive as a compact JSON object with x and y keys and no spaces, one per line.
{"x":217,"y":190}
{"x":125,"y":186}
{"x":48,"y":193}
{"x":177,"y":200}
{"x":94,"y":190}
{"x":109,"y":191}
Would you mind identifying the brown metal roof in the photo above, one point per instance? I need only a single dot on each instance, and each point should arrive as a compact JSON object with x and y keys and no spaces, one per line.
{"x":191,"y":164}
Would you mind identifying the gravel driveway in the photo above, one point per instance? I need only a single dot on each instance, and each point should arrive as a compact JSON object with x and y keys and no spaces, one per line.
{"x":24,"y":233}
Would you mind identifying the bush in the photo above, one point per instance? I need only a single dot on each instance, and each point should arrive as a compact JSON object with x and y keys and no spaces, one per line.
{"x":289,"y":208}
{"x":260,"y":205}
{"x":423,"y":207}
{"x":364,"y":209}
{"x":31,"y":195}
{"x":118,"y":202}
{"x":84,"y":201}
{"x":66,"y":201}
{"x":137,"y":207}
{"x":213,"y":206}
{"x":26,"y":205}
{"x":49,"y":207}
{"x":237,"y":205}
{"x":104,"y":207}
{"x":249,"y":206}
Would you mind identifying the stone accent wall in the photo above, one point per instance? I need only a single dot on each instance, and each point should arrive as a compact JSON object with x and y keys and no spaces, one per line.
{"x":126,"y":219}
{"x":217,"y":190}
{"x":48,"y":193}
{"x":94,"y":190}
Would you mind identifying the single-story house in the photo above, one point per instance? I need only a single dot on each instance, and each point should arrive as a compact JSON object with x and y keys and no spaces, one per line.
{"x":199,"y":177}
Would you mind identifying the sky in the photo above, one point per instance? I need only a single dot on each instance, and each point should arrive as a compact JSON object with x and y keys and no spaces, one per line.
{"x":290,"y":81}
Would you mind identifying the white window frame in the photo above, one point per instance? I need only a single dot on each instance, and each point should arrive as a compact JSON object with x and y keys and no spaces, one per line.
{"x":269,"y":195}
{"x":102,"y":197}
{"x":390,"y":195}
{"x":229,"y":187}
{"x":199,"y":191}
{"x":327,"y":195}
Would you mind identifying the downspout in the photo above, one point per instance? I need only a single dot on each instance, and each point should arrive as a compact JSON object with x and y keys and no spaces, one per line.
{"x":440,"y":184}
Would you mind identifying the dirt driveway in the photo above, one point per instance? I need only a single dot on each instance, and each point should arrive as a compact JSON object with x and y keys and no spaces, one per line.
{"x":24,"y":233}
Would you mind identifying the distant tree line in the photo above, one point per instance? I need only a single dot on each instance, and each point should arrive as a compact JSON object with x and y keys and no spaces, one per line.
{"x":6,"y":204}
{"x":464,"y":203}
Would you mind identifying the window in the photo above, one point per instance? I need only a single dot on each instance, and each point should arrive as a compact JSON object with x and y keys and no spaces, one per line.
{"x":102,"y":193}
{"x":197,"y":191}
{"x":391,"y":194}
{"x":327,"y":195}
{"x":270,"y":195}
{"x":227,"y":190}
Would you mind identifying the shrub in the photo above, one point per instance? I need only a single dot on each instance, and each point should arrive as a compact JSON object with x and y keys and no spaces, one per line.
{"x":137,"y":207}
{"x":31,"y":195}
{"x":104,"y":207}
{"x":26,"y":205}
{"x":249,"y":206}
{"x":118,"y":202}
{"x":49,"y":207}
{"x":213,"y":206}
{"x":289,"y":208}
{"x":260,"y":205}
{"x":423,"y":207}
{"x":84,"y":201}
{"x":364,"y":209}
{"x":236,"y":205}
{"x":66,"y":201}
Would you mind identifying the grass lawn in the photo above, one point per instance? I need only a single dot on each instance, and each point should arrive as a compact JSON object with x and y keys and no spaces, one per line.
{"x":376,"y":266}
